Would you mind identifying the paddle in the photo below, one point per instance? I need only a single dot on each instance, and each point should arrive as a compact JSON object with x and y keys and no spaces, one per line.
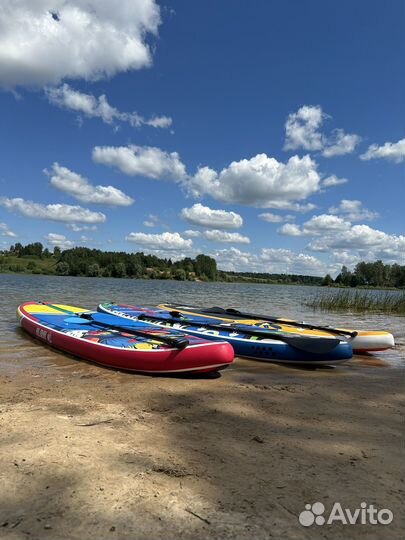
{"x":240,"y":315}
{"x":313,"y":345}
{"x":82,"y":318}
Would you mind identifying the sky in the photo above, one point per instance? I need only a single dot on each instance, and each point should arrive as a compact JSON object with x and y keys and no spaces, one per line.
{"x":269,"y":135}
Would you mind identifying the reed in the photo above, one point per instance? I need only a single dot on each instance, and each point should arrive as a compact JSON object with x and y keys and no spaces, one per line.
{"x":360,"y":301}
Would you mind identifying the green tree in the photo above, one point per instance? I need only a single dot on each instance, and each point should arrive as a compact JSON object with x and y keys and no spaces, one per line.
{"x":134,"y":269}
{"x":62,"y":268}
{"x":206,"y":266}
{"x":17,"y":249}
{"x":93,"y":270}
{"x":327,"y":280}
{"x":179,"y":274}
{"x":119,"y":270}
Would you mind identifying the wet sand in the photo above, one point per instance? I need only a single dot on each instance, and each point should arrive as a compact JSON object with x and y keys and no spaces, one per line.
{"x":91,"y":453}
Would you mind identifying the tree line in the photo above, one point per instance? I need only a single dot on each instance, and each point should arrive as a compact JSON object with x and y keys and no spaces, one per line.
{"x":369,"y":274}
{"x":34,"y":258}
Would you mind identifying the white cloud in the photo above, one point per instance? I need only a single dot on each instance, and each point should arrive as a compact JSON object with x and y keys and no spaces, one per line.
{"x":269,"y":260}
{"x":92,"y":107}
{"x":275,"y":218}
{"x":325,"y":223}
{"x":340,"y":143}
{"x":235,"y":260}
{"x":207,"y":217}
{"x":53,"y":212}
{"x":192,"y":234}
{"x":5,"y":231}
{"x":333,"y":180}
{"x":142,"y":161}
{"x":290,"y":229}
{"x":391,"y":151}
{"x":261,"y":181}
{"x":165,"y":241}
{"x":45,"y":41}
{"x":293,"y":207}
{"x":221,"y":236}
{"x":369,"y":243}
{"x":347,"y":258}
{"x":79,"y":228}
{"x":316,"y":226}
{"x":152,"y":221}
{"x":79,"y":187}
{"x":302,"y":130}
{"x":289,"y":262}
{"x":353,"y":210}
{"x":59,"y":240}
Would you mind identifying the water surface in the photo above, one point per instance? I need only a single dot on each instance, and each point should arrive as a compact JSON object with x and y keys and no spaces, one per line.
{"x":19,"y":351}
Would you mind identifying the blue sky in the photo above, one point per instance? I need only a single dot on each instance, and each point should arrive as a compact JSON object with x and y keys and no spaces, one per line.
{"x":269,"y":136}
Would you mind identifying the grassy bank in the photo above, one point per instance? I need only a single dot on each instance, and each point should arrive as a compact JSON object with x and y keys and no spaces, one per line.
{"x":360,"y":301}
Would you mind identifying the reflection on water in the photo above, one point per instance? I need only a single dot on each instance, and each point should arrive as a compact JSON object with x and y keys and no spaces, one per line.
{"x":17,"y":350}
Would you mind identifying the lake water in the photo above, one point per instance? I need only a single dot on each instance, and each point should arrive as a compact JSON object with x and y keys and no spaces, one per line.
{"x":18,"y":350}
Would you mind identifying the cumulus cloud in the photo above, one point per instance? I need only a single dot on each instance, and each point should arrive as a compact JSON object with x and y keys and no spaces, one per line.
{"x":325,"y":223}
{"x":152,"y":221}
{"x":190,"y":233}
{"x":261,"y":181}
{"x":340,"y":143}
{"x":234,"y":260}
{"x":353,"y":210}
{"x":59,"y":240}
{"x":293,"y":207}
{"x":207,"y":217}
{"x":290,"y":229}
{"x":166,"y":241}
{"x":390,"y":151}
{"x":80,"y":188}
{"x":302,"y":130}
{"x":317,"y":225}
{"x":79,"y":228}
{"x":290,"y":262}
{"x":367,"y":241}
{"x":93,"y":107}
{"x":333,"y":180}
{"x":5,"y":231}
{"x":275,"y":218}
{"x":269,"y":260}
{"x":52,"y":212}
{"x":142,"y":161}
{"x":45,"y":41}
{"x":221,"y":236}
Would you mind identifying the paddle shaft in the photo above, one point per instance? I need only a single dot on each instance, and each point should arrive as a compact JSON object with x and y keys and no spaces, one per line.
{"x":304,"y":343}
{"x":179,"y":343}
{"x":236,"y":313}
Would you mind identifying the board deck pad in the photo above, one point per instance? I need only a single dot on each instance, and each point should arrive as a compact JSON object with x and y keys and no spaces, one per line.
{"x":268,"y":343}
{"x":106,"y":340}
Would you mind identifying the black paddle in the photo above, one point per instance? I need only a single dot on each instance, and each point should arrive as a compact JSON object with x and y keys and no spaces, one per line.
{"x":178,"y":342}
{"x":240,"y":315}
{"x":313,"y":345}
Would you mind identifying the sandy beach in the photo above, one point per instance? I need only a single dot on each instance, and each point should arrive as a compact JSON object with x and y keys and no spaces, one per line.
{"x":100,"y":454}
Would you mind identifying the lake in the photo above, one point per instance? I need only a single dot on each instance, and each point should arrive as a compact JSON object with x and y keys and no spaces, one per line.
{"x":17,"y":350}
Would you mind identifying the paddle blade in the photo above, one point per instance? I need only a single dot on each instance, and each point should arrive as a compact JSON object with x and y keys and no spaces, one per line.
{"x":312,"y":345}
{"x":76,"y":320}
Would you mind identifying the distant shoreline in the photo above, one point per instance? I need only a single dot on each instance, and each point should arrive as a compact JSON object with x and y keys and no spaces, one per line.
{"x":85,"y":262}
{"x":244,"y":281}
